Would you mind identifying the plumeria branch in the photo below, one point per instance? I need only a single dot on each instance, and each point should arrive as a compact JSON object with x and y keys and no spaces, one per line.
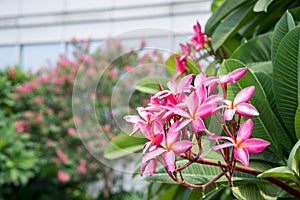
{"x":248,"y":170}
{"x":182,"y":182}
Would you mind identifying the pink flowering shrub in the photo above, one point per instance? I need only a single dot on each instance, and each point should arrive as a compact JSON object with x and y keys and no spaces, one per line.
{"x":46,"y":106}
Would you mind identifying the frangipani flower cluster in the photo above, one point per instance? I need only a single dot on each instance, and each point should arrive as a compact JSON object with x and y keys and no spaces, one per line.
{"x":164,"y":122}
{"x":174,"y":120}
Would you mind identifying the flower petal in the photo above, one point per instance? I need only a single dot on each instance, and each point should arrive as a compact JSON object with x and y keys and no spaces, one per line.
{"x":193,"y":103}
{"x":198,"y":125}
{"x":255,"y":145}
{"x":246,"y":109}
{"x":244,"y":95}
{"x":242,"y":155}
{"x":229,"y":113}
{"x":183,"y":124}
{"x":132,"y":118}
{"x":245,"y":130}
{"x":172,"y":135}
{"x":146,"y":146}
{"x":182,"y":146}
{"x":169,"y":160}
{"x":156,"y":152}
{"x":206,"y":110}
{"x":224,"y":145}
{"x":218,"y":137}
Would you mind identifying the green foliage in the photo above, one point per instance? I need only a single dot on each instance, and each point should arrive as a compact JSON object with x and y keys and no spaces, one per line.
{"x":123,"y":145}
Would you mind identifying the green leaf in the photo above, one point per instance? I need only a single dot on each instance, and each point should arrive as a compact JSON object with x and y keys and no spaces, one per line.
{"x":199,"y":174}
{"x":255,"y":50}
{"x":280,"y":172}
{"x":262,"y":5}
{"x":297,"y":122}
{"x":266,"y":125}
{"x":285,"y":24}
{"x":217,"y":17}
{"x":216,"y":4}
{"x":294,"y":158}
{"x":230,"y":25}
{"x":150,"y":85}
{"x":256,"y":191}
{"x":286,"y":79}
{"x":123,"y":145}
{"x":212,"y":190}
{"x":171,"y":64}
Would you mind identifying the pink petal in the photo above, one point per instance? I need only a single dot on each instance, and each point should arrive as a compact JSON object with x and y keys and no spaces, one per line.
{"x":176,"y":110}
{"x":148,"y":167}
{"x":244,"y":95}
{"x":132,"y":118}
{"x":247,"y":110}
{"x":136,"y":128}
{"x":146,"y":146}
{"x":242,"y":155}
{"x":201,"y":93}
{"x":229,"y":113}
{"x":198,"y":125}
{"x":172,"y":135}
{"x":213,"y":99}
{"x":151,"y":167}
{"x":184,"y":83}
{"x":218,"y":137}
{"x":157,"y":127}
{"x":245,"y":130}
{"x":183,"y":124}
{"x":224,"y":145}
{"x":182,"y":146}
{"x":169,"y":160}
{"x":157,"y":139}
{"x":235,"y":75}
{"x":193,"y":103}
{"x":153,"y":154}
{"x":206,"y":110}
{"x":255,"y":145}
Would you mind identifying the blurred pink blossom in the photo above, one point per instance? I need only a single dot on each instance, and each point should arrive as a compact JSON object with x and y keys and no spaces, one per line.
{"x":63,"y":176}
{"x":19,"y":125}
{"x":71,"y":131}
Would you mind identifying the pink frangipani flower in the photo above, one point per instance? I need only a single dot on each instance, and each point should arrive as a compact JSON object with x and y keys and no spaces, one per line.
{"x":233,"y":76}
{"x":198,"y":38}
{"x":169,"y":147}
{"x":240,"y":106}
{"x":243,"y":144}
{"x":144,"y":119}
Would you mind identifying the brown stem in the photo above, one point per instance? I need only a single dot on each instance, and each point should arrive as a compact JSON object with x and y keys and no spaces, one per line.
{"x":252,"y":171}
{"x":193,"y":185}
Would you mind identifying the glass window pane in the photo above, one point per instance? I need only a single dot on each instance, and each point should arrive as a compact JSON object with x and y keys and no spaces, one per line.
{"x":8,"y":56}
{"x":42,"y":55}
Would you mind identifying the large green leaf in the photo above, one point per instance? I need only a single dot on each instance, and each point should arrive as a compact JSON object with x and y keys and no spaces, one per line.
{"x":285,"y":24}
{"x":297,"y":122}
{"x":294,"y":159}
{"x":217,"y":17}
{"x":150,"y":85}
{"x":280,"y":172}
{"x":286,"y":79}
{"x":257,"y":49}
{"x":256,"y":191}
{"x":123,"y":145}
{"x":213,"y":192}
{"x":199,"y":174}
{"x":230,"y":25}
{"x":267,"y":125}
{"x":262,"y":5}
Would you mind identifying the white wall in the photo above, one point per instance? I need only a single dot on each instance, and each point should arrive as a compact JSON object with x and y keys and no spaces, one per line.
{"x":27,"y":22}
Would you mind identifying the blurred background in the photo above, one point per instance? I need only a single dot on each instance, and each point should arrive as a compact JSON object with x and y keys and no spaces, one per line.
{"x":34,"y":32}
{"x":44,"y":47}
